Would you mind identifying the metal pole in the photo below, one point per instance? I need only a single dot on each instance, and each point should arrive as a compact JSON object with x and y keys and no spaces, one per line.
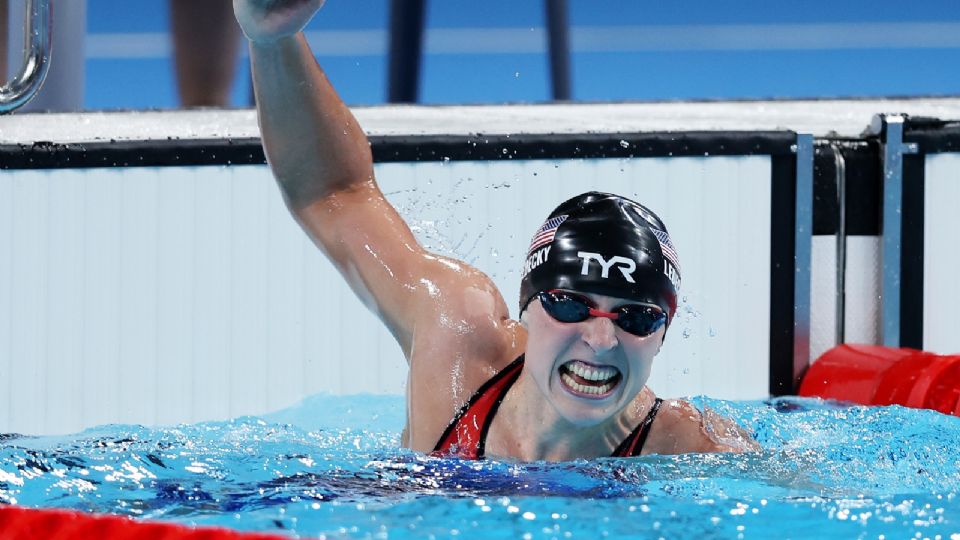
{"x":803,"y":240}
{"x":890,"y":129}
{"x":840,"y":177}
{"x":406,"y":47}
{"x":558,"y":26}
{"x":38,"y":45}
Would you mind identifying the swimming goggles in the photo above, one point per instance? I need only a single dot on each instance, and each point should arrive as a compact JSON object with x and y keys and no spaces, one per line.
{"x":637,"y":319}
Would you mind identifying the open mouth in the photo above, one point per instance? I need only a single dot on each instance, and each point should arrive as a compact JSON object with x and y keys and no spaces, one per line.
{"x":589,"y":380}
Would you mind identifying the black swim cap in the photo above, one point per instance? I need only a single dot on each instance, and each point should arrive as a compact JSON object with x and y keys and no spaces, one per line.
{"x":603,"y":244}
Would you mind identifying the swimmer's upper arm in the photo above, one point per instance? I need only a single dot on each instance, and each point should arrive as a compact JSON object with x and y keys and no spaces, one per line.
{"x":395,"y":277}
{"x":323,"y":164}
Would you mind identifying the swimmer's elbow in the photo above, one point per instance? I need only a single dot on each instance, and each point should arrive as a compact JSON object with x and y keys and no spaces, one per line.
{"x":302,"y":189}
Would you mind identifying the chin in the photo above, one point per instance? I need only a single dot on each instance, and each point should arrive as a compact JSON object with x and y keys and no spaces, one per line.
{"x":583,"y":412}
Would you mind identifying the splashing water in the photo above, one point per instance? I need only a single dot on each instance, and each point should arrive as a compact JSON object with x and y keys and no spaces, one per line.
{"x":331,"y":466}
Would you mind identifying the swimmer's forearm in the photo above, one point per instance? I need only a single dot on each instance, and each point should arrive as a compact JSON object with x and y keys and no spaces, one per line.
{"x":312,"y":141}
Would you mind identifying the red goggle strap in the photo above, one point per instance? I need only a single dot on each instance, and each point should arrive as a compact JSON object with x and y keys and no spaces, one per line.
{"x":604,"y":314}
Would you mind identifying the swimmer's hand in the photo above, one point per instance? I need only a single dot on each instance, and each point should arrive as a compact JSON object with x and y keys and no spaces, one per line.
{"x":264,"y":21}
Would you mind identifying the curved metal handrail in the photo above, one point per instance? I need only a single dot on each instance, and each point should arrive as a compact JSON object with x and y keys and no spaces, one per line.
{"x":36,"y":57}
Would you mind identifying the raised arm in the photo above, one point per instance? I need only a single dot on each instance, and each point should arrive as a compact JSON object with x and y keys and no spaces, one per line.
{"x":322,"y":161}
{"x":312,"y":141}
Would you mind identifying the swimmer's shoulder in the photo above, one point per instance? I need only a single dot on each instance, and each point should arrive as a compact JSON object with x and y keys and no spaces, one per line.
{"x":681,"y":428}
{"x":464,"y":317}
{"x":463,"y":337}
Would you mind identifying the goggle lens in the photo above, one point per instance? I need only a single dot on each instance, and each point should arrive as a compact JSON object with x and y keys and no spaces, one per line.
{"x":637,"y":319}
{"x":565,"y":307}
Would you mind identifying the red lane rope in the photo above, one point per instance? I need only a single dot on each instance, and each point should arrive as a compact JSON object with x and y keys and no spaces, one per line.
{"x":29,"y":524}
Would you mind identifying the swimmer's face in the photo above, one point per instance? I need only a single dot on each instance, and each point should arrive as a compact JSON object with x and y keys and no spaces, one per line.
{"x":588,"y":370}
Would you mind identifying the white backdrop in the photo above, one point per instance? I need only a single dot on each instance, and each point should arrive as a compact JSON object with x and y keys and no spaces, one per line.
{"x":165,"y":295}
{"x":862,"y":306}
{"x":941,"y":254}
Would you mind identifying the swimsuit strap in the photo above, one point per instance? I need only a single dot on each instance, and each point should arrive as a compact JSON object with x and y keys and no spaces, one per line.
{"x":466,"y":435}
{"x":633,"y":444}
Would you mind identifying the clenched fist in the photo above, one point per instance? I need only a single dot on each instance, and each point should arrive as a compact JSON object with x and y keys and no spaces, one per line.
{"x":269,"y":20}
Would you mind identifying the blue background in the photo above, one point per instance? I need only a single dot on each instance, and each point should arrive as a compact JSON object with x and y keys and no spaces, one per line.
{"x":873,"y":70}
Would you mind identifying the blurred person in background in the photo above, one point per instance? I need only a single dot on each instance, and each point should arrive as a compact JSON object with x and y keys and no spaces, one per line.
{"x":206,"y":42}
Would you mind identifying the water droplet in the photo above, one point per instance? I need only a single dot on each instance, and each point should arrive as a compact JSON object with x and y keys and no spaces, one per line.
{"x":516,"y":75}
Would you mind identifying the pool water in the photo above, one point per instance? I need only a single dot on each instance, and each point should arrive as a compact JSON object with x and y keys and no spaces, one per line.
{"x":330,"y":467}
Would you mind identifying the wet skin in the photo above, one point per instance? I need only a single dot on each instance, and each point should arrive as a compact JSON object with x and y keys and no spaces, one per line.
{"x":595,"y":342}
{"x":554,"y":416}
{"x":449,"y":319}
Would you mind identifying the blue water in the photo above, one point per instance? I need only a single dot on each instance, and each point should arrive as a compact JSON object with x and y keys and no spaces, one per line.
{"x":330,"y":466}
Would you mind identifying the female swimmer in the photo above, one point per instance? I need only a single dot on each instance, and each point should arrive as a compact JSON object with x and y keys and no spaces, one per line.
{"x":599,"y":290}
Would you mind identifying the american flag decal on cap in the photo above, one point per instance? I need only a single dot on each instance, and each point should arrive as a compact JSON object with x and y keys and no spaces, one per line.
{"x":666,"y":246}
{"x":545,"y":234}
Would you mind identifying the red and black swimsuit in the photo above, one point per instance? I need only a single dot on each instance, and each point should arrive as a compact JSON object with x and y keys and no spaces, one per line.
{"x":466,"y":436}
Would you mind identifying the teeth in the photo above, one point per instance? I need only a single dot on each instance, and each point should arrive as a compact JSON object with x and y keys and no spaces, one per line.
{"x":583,"y":389}
{"x":592,"y":373}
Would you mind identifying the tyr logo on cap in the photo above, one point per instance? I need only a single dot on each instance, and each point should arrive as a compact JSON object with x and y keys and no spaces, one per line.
{"x":627,"y":266}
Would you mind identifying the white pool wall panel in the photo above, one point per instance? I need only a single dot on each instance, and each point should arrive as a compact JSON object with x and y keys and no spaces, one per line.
{"x":823,"y":295}
{"x":182,"y":294}
{"x":941,"y":253}
{"x":862,"y":285}
{"x":863,"y":276}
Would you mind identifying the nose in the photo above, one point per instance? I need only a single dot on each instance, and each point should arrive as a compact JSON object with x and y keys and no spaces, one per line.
{"x":600,"y":334}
